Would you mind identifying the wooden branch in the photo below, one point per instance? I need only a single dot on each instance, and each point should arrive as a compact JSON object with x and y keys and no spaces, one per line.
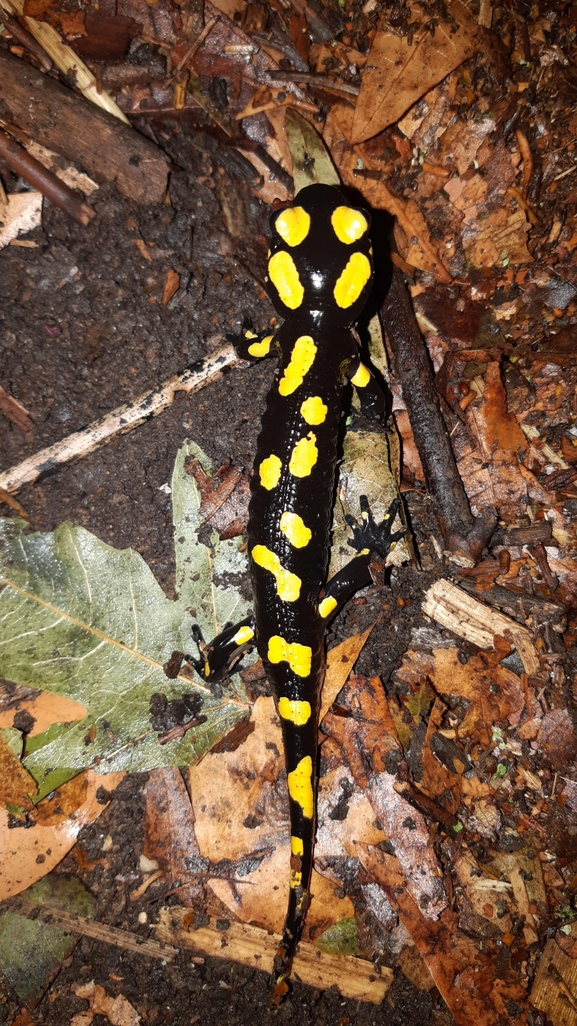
{"x":91,"y":928}
{"x":355,"y":977}
{"x":119,"y":421}
{"x":63,"y":121}
{"x":43,"y":180}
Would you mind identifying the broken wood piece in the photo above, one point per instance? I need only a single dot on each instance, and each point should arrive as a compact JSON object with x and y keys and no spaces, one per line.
{"x":465,"y":536}
{"x":58,"y":118}
{"x":15,"y":411}
{"x":355,"y":977}
{"x":555,"y":988}
{"x":98,"y":931}
{"x":119,"y":421}
{"x":470,"y":619}
{"x":43,"y":180}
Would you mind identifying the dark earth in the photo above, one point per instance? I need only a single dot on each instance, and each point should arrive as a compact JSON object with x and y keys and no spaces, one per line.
{"x":83,"y":330}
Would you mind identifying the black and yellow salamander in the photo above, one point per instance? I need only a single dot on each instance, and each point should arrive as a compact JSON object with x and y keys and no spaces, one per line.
{"x":320,"y":274}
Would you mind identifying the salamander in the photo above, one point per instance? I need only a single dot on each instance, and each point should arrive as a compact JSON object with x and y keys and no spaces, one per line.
{"x":320,"y":275}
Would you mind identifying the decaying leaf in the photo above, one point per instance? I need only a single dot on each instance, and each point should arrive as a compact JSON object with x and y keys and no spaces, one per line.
{"x":103,"y":630}
{"x":401,"y":69}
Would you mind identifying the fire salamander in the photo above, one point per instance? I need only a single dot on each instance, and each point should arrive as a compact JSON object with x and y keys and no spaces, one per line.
{"x":320,"y":275}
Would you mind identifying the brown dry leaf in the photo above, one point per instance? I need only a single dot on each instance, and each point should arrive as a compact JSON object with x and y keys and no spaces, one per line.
{"x":28,"y":855}
{"x":499,"y":240}
{"x":367,"y":738}
{"x":45,"y":709}
{"x":118,"y":1010}
{"x":475,"y":680}
{"x":16,"y":784}
{"x":169,"y":830}
{"x":488,"y":897}
{"x":464,"y":975}
{"x":224,"y":498}
{"x":496,"y":481}
{"x":143,"y":249}
{"x":399,"y":72}
{"x":171,"y":286}
{"x":240,"y":806}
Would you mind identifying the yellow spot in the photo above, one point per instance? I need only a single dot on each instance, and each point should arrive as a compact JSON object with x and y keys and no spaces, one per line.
{"x":296,"y":878}
{"x":314,"y":410}
{"x":297,"y":846}
{"x":207,"y":669}
{"x":327,"y":606}
{"x":352,"y":280}
{"x":349,"y":225}
{"x":269,"y":472}
{"x":300,"y":786}
{"x":298,"y":657}
{"x":301,"y":361}
{"x":285,"y":278}
{"x":293,"y":225}
{"x":250,"y":334}
{"x":295,"y":530}
{"x":260,"y":348}
{"x":243,"y":635}
{"x":304,"y":456}
{"x":361,"y":377}
{"x":297,"y":712}
{"x":288,"y":585}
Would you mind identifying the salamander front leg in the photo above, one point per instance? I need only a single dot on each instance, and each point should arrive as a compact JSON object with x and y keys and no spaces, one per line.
{"x":252,"y":346}
{"x":368,"y":538}
{"x":220,"y":657}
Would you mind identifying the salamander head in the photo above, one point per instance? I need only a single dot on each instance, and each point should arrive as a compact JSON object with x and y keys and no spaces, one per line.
{"x":320,"y":255}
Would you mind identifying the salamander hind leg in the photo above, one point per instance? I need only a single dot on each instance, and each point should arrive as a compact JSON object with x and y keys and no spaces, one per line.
{"x":368,"y":538}
{"x":372,"y":536}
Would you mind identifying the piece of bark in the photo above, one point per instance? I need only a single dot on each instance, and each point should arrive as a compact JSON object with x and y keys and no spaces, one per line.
{"x":61,"y":120}
{"x":464,"y":535}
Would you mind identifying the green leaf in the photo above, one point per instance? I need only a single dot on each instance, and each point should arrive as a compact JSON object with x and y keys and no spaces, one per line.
{"x":89,"y":622}
{"x":340,"y":939}
{"x":31,"y":951}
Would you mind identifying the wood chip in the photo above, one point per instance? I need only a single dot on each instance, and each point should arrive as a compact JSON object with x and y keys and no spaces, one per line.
{"x":354,"y":977}
{"x":470,"y":619}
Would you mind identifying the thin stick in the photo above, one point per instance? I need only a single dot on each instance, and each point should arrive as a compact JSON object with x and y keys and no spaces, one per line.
{"x":99,"y":931}
{"x":123,"y":419}
{"x":44,"y":180}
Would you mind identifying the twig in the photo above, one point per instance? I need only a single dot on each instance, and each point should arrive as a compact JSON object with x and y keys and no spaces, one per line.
{"x":43,"y":180}
{"x":99,"y":931}
{"x":322,"y":81}
{"x":23,"y":36}
{"x":464,"y":535}
{"x":192,"y":49}
{"x":123,"y":419}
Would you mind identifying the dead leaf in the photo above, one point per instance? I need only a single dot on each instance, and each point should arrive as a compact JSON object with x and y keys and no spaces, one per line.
{"x":28,"y":855}
{"x":169,"y":833}
{"x":16,"y":784}
{"x":401,"y":69}
{"x":464,"y":975}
